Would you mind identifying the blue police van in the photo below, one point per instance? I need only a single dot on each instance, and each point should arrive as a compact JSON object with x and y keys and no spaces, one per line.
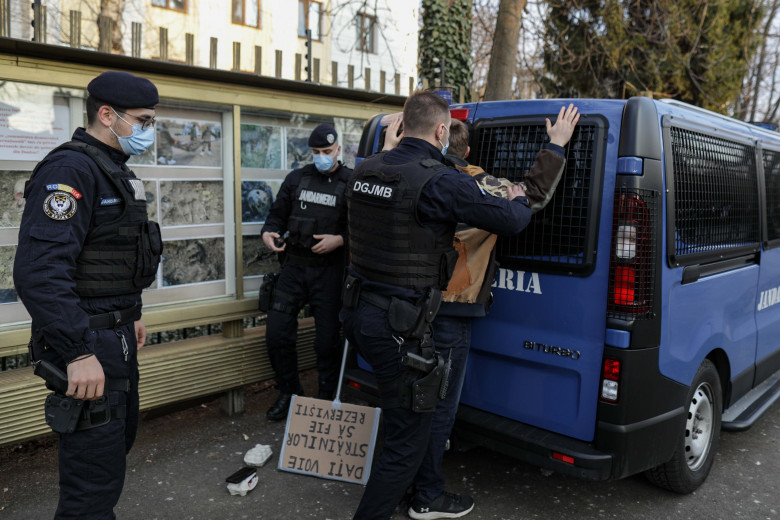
{"x":639,"y":312}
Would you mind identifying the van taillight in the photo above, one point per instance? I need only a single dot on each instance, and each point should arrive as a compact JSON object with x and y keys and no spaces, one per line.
{"x":461,"y":114}
{"x":632,"y":258}
{"x":610,"y":380}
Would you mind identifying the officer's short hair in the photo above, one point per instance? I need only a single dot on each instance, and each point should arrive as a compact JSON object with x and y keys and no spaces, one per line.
{"x":459,"y":139}
{"x":93,"y":105}
{"x":423,"y":111}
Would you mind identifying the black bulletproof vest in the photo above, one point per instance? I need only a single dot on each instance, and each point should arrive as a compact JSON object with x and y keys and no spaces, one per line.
{"x":315,"y":210}
{"x":120,"y":256}
{"x":388,"y":244}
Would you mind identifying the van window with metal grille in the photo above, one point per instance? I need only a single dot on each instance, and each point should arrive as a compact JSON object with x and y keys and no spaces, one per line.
{"x":559,"y":237}
{"x":772,"y":178}
{"x":715,"y":196}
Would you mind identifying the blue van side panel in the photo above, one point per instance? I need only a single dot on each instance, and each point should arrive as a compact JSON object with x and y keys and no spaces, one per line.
{"x":715,"y":312}
{"x":767,"y":305}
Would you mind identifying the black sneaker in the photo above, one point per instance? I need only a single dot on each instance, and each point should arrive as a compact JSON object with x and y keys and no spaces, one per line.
{"x":446,"y":505}
{"x":279,"y":409}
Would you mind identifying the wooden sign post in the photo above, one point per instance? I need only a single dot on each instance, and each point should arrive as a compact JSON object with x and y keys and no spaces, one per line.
{"x":329,"y":439}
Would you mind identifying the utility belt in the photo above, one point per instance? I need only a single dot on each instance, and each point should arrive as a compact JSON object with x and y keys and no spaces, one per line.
{"x":67,"y":415}
{"x":113,"y":319}
{"x":410,"y":321}
{"x":313,"y":259}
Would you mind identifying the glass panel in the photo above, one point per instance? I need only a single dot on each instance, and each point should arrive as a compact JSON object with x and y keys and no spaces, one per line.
{"x":301,"y":18}
{"x":160,"y":3}
{"x":261,"y":146}
{"x":7,"y":291}
{"x":238,"y":11}
{"x":314,"y":20}
{"x":193,"y":261}
{"x":12,"y":197}
{"x":188,"y":143}
{"x":34,"y":119}
{"x":178,"y":4}
{"x":256,"y":199}
{"x":298,"y":151}
{"x":258,"y":259}
{"x":191,"y":202}
{"x":252,"y":13}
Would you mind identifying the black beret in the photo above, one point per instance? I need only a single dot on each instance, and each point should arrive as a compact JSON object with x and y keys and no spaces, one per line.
{"x":323,"y":136}
{"x":124,"y":90}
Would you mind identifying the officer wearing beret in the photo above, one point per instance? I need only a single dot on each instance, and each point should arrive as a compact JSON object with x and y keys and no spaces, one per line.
{"x":86,"y":250}
{"x":403,"y":209}
{"x":311,"y":211}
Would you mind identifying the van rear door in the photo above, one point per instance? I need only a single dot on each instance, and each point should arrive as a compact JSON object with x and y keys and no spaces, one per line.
{"x":537,"y":357}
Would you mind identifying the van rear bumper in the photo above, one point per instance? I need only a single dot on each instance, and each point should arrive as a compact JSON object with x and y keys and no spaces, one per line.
{"x":531,"y":444}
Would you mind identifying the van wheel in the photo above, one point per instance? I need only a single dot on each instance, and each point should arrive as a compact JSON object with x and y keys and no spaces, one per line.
{"x":698,"y":441}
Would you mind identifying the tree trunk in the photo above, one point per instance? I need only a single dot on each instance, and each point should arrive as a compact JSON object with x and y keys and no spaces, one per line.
{"x":503,"y":56}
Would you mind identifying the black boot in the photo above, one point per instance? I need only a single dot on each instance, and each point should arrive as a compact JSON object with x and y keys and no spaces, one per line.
{"x":279,"y":410}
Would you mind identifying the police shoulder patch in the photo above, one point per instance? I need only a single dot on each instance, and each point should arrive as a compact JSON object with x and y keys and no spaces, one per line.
{"x":60,"y":205}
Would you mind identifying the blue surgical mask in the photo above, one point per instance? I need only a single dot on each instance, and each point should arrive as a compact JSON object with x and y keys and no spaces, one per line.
{"x":323,"y":162}
{"x":137,"y":142}
{"x":447,"y":144}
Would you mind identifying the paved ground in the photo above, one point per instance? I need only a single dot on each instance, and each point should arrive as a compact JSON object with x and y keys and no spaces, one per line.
{"x":178,"y":466}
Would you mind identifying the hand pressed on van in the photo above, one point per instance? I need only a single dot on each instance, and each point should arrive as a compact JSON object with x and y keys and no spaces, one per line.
{"x":562,"y":130}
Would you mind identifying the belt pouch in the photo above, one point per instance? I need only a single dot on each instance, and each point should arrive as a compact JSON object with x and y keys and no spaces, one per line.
{"x":62,"y":412}
{"x":404,"y":317}
{"x":351,"y":293}
{"x":266,"y":295}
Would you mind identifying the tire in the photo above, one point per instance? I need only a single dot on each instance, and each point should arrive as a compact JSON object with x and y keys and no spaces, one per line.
{"x":698,"y":440}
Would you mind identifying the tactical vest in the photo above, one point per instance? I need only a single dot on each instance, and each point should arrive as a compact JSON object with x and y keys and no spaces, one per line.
{"x":120,"y":256}
{"x":388,"y":244}
{"x":316,"y":209}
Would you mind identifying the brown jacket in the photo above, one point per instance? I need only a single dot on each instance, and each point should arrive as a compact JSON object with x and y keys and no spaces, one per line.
{"x":475,"y":268}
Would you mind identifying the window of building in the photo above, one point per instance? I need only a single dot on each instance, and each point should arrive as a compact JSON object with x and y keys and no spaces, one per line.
{"x":176,"y":5}
{"x":310,"y":17}
{"x":246,"y":12}
{"x":366,"y":32}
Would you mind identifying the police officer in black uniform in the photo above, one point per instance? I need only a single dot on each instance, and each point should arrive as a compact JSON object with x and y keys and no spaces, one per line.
{"x":311,"y":210}
{"x":86,"y":251}
{"x":403,"y":209}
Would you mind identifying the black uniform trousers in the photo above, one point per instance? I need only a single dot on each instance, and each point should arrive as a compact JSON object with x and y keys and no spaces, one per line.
{"x":320,"y":287}
{"x":406,"y":433}
{"x":92,"y":462}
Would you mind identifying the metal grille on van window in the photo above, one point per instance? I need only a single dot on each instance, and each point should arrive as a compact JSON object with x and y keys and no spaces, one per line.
{"x":557,"y":234}
{"x":772,"y":176}
{"x":715,"y":193}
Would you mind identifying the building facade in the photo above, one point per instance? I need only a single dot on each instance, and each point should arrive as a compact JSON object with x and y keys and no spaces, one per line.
{"x":354,"y":43}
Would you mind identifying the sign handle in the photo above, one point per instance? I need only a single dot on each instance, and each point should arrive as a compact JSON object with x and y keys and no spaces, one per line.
{"x":337,"y":400}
